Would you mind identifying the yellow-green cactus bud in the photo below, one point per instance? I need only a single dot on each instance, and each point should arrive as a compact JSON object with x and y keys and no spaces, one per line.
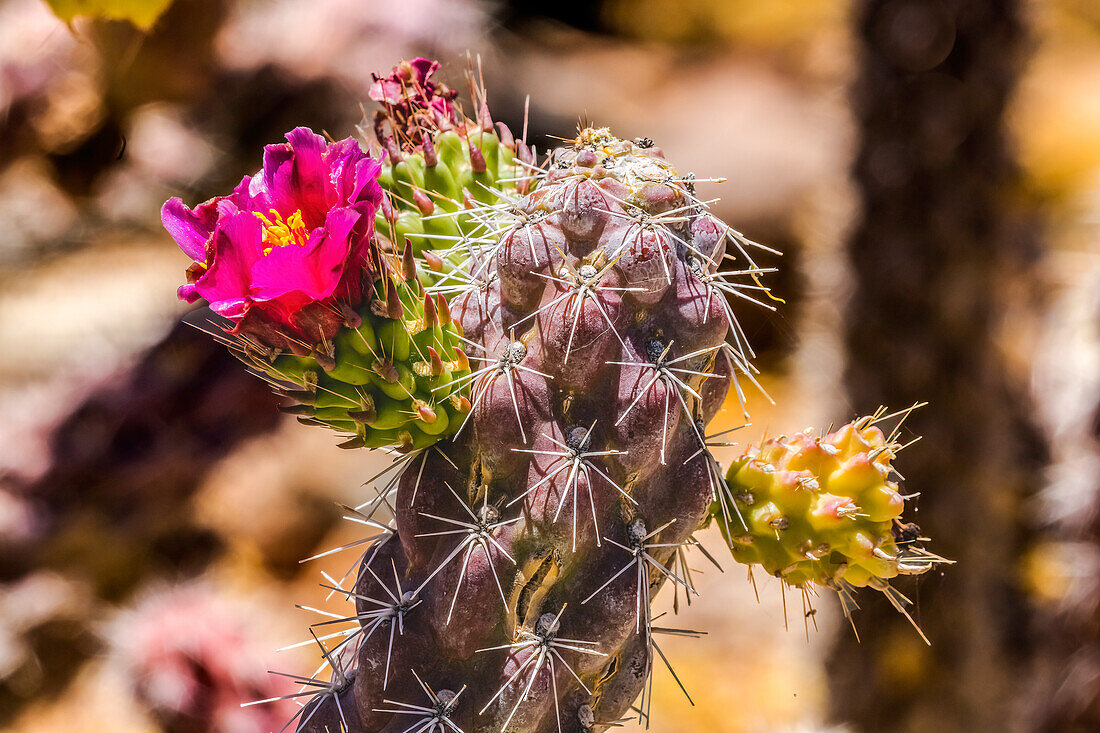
{"x":822,"y":509}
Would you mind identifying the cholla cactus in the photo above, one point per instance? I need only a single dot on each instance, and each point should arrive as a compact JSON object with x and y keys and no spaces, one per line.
{"x":512,"y":590}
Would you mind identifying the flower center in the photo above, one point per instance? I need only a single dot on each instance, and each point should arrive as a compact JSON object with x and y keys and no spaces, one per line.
{"x":280,"y":232}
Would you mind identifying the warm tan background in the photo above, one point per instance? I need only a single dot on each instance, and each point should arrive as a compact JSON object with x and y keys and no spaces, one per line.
{"x":154,"y":506}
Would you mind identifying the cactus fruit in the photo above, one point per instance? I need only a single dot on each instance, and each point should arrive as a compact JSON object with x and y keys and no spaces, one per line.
{"x":822,"y":510}
{"x":562,"y":488}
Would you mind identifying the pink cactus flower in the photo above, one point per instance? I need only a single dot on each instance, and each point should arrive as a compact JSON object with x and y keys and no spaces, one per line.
{"x":285,"y":255}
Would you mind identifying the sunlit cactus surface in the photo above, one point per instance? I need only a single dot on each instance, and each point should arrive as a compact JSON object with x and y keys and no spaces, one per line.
{"x":541,"y":342}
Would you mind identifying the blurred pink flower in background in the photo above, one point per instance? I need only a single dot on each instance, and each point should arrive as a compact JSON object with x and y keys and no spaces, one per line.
{"x":192,"y":661}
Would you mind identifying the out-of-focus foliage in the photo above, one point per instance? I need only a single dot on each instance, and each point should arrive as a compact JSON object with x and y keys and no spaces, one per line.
{"x":761,"y":24}
{"x":142,"y":13}
{"x":1057,"y":111}
{"x":803,"y":33}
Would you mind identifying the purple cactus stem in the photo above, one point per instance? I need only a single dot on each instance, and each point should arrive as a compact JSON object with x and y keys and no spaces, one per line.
{"x":527,"y":548}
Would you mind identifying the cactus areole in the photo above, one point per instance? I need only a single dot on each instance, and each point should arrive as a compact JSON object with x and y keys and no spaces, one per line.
{"x":541,"y":345}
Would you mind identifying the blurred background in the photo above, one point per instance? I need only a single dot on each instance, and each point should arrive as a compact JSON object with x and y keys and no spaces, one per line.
{"x":930,"y":169}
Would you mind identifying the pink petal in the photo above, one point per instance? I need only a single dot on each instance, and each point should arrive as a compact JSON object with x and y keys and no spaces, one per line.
{"x":296,"y":178}
{"x":188,"y":293}
{"x":238,"y":244}
{"x":314,"y":269}
{"x":190,"y":229}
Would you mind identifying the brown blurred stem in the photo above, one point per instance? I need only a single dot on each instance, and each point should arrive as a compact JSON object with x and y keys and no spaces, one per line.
{"x":1064,"y":567}
{"x":941,"y":244}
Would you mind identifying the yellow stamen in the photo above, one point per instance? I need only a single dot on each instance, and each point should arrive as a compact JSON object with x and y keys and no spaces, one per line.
{"x":279,"y":232}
